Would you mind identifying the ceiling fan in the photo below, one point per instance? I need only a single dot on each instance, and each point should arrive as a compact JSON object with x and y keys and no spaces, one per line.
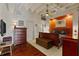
{"x":47,"y":14}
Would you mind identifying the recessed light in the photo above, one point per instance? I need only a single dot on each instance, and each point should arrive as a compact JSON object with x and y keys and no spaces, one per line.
{"x":69,"y":15}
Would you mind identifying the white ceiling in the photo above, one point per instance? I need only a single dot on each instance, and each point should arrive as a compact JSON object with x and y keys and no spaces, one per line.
{"x":41,"y":7}
{"x":53,"y":7}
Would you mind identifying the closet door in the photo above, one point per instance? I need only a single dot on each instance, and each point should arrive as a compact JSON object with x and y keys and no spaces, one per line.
{"x":19,"y":36}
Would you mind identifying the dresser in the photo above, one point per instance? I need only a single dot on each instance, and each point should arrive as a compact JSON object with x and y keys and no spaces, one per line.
{"x":19,"y":35}
{"x":70,"y":47}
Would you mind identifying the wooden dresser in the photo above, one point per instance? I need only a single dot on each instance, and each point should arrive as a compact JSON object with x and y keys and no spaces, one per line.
{"x":19,"y":35}
{"x":70,"y":47}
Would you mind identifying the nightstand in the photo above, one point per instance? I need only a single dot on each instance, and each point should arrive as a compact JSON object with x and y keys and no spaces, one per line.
{"x":6,"y":48}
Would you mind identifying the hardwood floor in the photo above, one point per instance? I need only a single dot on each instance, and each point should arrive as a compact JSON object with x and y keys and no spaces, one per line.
{"x":26,"y":50}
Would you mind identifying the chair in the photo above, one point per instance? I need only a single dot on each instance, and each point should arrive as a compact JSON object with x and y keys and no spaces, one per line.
{"x":6,"y":46}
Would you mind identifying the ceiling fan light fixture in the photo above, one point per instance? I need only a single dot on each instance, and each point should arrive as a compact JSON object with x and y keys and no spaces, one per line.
{"x":47,"y":14}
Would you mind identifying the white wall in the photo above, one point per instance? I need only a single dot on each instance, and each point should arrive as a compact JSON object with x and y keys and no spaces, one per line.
{"x":33,"y":26}
{"x":17,"y":12}
{"x":75,"y":24}
{"x":5,"y":16}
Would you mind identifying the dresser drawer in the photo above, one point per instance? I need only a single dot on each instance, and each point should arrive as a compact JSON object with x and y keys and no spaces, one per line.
{"x":19,"y":35}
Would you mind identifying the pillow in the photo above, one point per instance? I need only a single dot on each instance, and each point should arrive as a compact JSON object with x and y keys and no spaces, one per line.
{"x":63,"y":32}
{"x":55,"y":31}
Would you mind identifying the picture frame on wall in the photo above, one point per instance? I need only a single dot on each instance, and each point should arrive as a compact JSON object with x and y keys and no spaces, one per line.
{"x":60,"y":23}
{"x":21,"y":23}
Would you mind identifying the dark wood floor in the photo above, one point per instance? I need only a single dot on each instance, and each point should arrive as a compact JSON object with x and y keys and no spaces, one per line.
{"x":26,"y":50}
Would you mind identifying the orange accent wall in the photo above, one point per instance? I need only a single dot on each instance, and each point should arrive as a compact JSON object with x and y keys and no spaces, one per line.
{"x":68,"y":22}
{"x":52,"y":22}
